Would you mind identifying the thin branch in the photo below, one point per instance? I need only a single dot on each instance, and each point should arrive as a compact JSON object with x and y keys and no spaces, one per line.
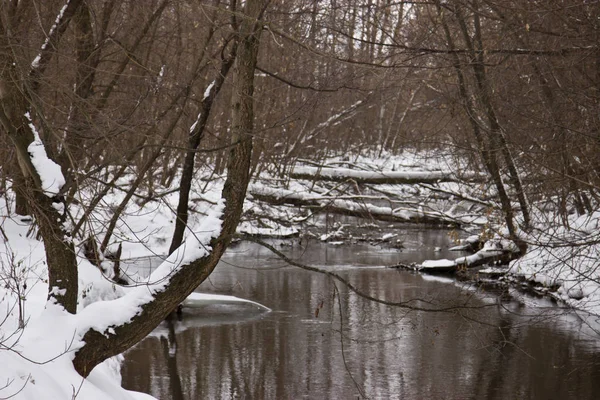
{"x":409,"y":304}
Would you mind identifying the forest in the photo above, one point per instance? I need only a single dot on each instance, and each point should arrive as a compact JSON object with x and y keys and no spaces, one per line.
{"x":176,"y":127}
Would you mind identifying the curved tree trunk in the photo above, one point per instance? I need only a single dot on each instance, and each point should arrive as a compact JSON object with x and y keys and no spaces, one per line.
{"x":99,"y":346}
{"x":48,"y":209}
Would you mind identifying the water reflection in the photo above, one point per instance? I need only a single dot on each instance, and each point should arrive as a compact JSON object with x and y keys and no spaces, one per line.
{"x":323,"y":342}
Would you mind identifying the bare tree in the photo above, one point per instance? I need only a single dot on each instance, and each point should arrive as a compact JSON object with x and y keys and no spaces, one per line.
{"x":50,"y":209}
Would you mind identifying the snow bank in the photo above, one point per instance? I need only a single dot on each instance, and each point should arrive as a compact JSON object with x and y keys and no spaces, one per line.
{"x":36,"y":362}
{"x":57,"y":379}
{"x":567,"y":259}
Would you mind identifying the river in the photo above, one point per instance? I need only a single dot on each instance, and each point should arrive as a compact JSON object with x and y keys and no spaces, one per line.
{"x":323,"y":342}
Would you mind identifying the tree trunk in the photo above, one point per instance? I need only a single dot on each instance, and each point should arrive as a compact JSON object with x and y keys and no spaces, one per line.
{"x":488,"y":156}
{"x":195,"y":137}
{"x":71,"y":154}
{"x":49,"y":211}
{"x":116,"y":339}
{"x":18,"y":187}
{"x":496,"y":132}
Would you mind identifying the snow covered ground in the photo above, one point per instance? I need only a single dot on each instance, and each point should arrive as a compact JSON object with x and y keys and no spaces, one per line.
{"x":567,"y":259}
{"x":35,"y":362}
{"x":38,"y":342}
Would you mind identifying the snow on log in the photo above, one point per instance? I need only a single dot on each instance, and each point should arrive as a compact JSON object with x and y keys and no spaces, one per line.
{"x":379,"y":177}
{"x":491,"y":253}
{"x":351,"y":207}
{"x":438,"y":266}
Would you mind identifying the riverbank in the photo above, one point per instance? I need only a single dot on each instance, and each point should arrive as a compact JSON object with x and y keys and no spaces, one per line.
{"x":360,"y":199}
{"x":561,"y":260}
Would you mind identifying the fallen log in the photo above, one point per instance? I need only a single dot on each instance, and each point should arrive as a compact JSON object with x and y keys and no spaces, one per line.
{"x":350,"y":207}
{"x":486,"y":256}
{"x":383,"y":177}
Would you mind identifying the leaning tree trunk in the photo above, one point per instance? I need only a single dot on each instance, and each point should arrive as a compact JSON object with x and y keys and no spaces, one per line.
{"x":489,"y":157}
{"x":496,"y":132}
{"x":99,"y":346}
{"x":496,"y":142}
{"x":194,"y":139}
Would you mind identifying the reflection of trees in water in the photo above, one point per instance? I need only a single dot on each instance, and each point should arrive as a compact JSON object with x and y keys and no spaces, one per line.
{"x":169,"y":345}
{"x":291,"y":353}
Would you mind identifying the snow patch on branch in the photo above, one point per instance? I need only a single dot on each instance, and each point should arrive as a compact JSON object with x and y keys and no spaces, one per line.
{"x":331,"y":121}
{"x":36,"y":61}
{"x":206,"y":95}
{"x":193,"y":127}
{"x":51,"y":176}
{"x":208,"y":90}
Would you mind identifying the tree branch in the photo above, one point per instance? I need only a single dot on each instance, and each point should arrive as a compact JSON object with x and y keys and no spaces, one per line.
{"x":41,"y":61}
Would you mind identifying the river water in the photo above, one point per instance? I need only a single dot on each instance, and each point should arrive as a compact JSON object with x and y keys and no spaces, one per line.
{"x":323,"y":342}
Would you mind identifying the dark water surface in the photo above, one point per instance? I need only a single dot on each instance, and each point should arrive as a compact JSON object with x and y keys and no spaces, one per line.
{"x":526,"y":349}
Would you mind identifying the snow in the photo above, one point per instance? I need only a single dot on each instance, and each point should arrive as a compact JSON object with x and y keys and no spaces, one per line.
{"x":102,"y":315}
{"x":486,"y":252}
{"x":36,"y":61}
{"x":206,"y":94}
{"x":491,"y":249}
{"x":353,"y":205}
{"x":58,"y":380}
{"x":35,"y":362}
{"x":372,"y":175}
{"x":472,"y":239}
{"x":193,"y":127}
{"x":50,"y":173}
{"x":438,"y":263}
{"x":204,"y":299}
{"x":208,"y":90}
{"x":566,"y":258}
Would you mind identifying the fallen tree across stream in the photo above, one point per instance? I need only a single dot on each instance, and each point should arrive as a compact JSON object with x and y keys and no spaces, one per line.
{"x":377,"y":177}
{"x":357,"y":206}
